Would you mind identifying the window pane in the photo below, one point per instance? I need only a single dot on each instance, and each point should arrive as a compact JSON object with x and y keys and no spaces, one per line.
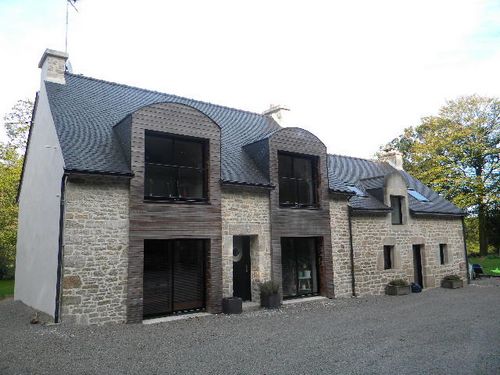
{"x":190,"y":183}
{"x":387,"y":257}
{"x":287,"y":191}
{"x":396,"y":210}
{"x":160,"y":181}
{"x":159,"y":150}
{"x":302,"y":168}
{"x":285,"y":165}
{"x":188,"y":154}
{"x":306,"y":193}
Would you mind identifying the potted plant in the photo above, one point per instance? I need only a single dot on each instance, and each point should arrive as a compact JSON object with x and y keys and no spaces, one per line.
{"x":269,"y":295}
{"x":452,"y":282}
{"x":397,"y":287}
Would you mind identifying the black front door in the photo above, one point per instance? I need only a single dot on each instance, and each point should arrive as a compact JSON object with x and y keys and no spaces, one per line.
{"x":174,"y":276}
{"x":299,"y":266}
{"x":241,"y":268}
{"x":417,"y":265}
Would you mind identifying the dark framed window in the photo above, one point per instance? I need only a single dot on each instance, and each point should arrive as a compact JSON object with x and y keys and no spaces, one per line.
{"x":388,"y":257}
{"x":443,"y":253}
{"x":397,"y":209}
{"x":297,"y":180}
{"x":175,"y":168}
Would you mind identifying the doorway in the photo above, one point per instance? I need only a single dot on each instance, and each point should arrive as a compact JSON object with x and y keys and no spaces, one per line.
{"x":417,"y":265}
{"x":242,"y":268}
{"x":174,"y":276}
{"x":299,"y":260}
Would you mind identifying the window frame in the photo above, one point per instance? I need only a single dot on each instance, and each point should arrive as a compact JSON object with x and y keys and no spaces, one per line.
{"x":401,"y":219}
{"x":389,"y":258}
{"x":204,"y":169}
{"x":443,"y":254}
{"x":314,"y":180}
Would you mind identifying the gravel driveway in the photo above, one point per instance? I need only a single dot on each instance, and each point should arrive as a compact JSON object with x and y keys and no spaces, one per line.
{"x":438,"y":331}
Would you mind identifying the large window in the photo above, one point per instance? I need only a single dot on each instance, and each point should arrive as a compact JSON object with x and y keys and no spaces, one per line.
{"x":297,"y":180}
{"x":175,"y":168}
{"x":397,"y":209}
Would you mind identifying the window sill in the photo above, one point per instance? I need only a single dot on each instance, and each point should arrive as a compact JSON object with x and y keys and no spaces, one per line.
{"x":299,"y":207}
{"x":177,"y":201}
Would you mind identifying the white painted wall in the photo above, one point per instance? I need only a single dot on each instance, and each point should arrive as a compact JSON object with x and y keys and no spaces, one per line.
{"x":39,"y":204}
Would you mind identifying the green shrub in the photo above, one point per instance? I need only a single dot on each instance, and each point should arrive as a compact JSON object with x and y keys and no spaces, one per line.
{"x":452,"y":278}
{"x":268,"y":288}
{"x":492,"y":256}
{"x":398,"y":282}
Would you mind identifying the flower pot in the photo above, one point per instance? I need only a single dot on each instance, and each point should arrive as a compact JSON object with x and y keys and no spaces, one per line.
{"x":452,"y":284}
{"x":231,"y":305}
{"x":394,"y":290}
{"x":270,"y":301}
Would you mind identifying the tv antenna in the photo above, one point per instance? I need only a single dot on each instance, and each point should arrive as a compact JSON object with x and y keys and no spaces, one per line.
{"x":68,"y":3}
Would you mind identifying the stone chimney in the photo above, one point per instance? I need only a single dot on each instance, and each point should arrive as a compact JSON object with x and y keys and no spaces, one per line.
{"x":278,"y":113}
{"x":393,"y":157}
{"x":53,"y":65}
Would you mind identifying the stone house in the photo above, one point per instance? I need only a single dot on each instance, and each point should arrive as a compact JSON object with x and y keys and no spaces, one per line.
{"x":135,"y":203}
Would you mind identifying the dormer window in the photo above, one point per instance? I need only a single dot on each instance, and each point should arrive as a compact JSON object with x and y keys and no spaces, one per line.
{"x":174,"y":168}
{"x":397,"y":209}
{"x":297,"y":180}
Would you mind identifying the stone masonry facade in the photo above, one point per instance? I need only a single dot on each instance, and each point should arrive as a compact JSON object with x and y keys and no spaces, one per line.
{"x":245,"y":212}
{"x":339,"y":220}
{"x":96,"y":227}
{"x":371,"y":233}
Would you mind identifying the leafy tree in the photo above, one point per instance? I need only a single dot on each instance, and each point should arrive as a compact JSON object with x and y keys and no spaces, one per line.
{"x":16,"y":123}
{"x":457,"y":153}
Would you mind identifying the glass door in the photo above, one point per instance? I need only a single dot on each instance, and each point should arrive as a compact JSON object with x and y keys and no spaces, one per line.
{"x":299,"y":266}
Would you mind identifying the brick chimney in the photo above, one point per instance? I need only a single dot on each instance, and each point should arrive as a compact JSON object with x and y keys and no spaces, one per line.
{"x":278,"y":113}
{"x":393,"y":157}
{"x":53,"y":65}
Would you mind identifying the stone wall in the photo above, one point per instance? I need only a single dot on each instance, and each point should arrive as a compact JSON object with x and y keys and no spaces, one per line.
{"x":96,"y":233}
{"x":339,"y":221}
{"x":245,"y":212}
{"x":371,"y":233}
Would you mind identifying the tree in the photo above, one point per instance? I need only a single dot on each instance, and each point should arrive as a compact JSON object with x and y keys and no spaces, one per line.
{"x":16,"y":123}
{"x":457,"y":153}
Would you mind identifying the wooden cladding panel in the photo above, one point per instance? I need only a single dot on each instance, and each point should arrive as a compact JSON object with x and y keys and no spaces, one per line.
{"x":171,"y":220}
{"x":301,"y":222}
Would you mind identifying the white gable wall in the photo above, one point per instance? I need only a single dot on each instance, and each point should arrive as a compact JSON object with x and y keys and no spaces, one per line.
{"x":39,"y":209}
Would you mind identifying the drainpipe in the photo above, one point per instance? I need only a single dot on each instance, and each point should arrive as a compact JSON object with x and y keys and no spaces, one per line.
{"x":57,"y":312}
{"x":465,"y":250}
{"x":351,"y":250}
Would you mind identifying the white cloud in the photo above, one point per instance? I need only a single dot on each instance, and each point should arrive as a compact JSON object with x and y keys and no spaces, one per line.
{"x":354,"y":73}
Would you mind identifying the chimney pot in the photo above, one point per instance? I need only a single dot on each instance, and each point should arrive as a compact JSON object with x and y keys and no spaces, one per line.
{"x":53,"y":65}
{"x":393,"y":157}
{"x":278,"y":113}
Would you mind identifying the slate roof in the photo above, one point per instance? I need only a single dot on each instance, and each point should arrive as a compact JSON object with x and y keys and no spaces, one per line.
{"x":369,"y":174}
{"x":85,"y":110}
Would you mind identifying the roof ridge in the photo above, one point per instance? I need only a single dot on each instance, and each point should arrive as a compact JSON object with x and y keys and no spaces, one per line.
{"x":355,"y":157}
{"x":162,"y":93}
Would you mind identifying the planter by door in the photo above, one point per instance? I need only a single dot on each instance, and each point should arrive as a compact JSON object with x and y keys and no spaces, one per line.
{"x":271,"y":301}
{"x":174,"y":276}
{"x":394,"y":290}
{"x":452,"y":284}
{"x":241,"y":268}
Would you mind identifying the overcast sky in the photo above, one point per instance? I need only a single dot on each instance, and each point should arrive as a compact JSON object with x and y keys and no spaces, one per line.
{"x":355,"y":73}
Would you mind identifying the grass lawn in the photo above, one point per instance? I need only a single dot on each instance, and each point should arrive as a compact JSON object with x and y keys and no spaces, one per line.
{"x":6,"y":288}
{"x":488,"y":263}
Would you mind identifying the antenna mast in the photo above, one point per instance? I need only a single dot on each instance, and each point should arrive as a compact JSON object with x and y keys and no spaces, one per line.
{"x":72,"y":3}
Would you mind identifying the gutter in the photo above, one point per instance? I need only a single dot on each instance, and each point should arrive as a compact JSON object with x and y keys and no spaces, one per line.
{"x":465,"y":251}
{"x":351,"y":250}
{"x":57,"y":312}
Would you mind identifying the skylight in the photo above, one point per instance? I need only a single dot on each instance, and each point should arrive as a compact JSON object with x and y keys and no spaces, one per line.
{"x":419,"y":197}
{"x":357,"y":191}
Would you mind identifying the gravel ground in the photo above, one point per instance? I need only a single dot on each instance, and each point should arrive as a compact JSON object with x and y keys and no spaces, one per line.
{"x":439,"y":331}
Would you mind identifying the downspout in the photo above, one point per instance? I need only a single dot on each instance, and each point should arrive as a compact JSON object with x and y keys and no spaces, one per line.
{"x":351,"y":249}
{"x":465,"y":250}
{"x":57,"y":312}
